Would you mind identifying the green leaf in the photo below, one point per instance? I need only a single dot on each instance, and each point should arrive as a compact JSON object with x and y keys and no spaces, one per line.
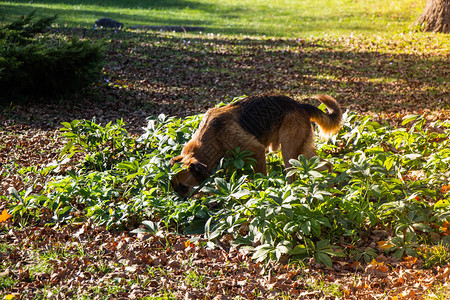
{"x":295,"y":163}
{"x":398,"y":254}
{"x":292,"y":172}
{"x":140,"y":230}
{"x":127,"y":166}
{"x":64,"y":210}
{"x":389,"y":162}
{"x":412,"y":156}
{"x":410,"y":118}
{"x":442,"y":204}
{"x":152,"y":226}
{"x":410,"y":252}
{"x":262,"y":251}
{"x":306,"y":228}
{"x":322,"y":244}
{"x":341,"y":253}
{"x":221,"y":183}
{"x":239,"y":163}
{"x":66,"y":125}
{"x":324,"y":259}
{"x":299,"y":250}
{"x":242,"y":241}
{"x":208,"y":227}
{"x":196,"y":227}
{"x":315,"y":174}
{"x":12,"y":191}
{"x":240,"y":194}
{"x":422,"y":227}
{"x":284,"y":247}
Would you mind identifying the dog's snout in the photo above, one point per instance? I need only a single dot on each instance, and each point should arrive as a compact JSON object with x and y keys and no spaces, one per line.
{"x":182,"y":189}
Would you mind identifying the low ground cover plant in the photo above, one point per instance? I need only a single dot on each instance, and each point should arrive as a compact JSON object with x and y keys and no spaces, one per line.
{"x":388,"y":179}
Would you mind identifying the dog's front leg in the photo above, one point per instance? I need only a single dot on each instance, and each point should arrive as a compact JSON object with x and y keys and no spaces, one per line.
{"x":261,"y":166}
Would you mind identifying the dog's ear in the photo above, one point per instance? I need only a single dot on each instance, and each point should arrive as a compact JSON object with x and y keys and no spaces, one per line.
{"x":199,"y":170}
{"x":176,"y":159}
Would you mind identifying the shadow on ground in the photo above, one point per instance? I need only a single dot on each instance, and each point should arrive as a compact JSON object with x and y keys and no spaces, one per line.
{"x":148,"y":73}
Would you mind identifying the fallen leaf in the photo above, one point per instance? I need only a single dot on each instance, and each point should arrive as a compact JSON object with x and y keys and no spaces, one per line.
{"x":385,"y":245}
{"x":410,"y":259}
{"x":445,"y":228}
{"x":4,"y":216}
{"x":445,"y":188}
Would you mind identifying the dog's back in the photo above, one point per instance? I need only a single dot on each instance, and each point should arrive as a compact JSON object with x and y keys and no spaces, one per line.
{"x":260,"y":115}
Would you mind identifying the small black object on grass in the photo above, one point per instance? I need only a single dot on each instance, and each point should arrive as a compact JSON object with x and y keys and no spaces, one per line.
{"x":108,"y":23}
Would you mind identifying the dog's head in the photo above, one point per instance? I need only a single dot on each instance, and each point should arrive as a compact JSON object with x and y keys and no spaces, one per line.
{"x":193,"y":174}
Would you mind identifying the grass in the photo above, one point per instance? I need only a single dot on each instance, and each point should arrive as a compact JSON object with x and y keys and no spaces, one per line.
{"x":7,"y":282}
{"x":287,"y":18}
{"x":435,"y":255}
{"x":194,"y":279}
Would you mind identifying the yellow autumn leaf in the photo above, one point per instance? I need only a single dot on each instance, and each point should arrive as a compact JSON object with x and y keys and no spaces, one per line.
{"x":4,"y":216}
{"x":384,"y":245}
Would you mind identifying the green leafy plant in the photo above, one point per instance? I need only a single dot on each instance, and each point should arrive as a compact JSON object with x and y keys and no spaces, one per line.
{"x":384,"y":177}
{"x":104,"y":146}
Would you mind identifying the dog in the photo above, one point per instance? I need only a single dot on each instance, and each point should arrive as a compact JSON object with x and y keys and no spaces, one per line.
{"x":255,"y":123}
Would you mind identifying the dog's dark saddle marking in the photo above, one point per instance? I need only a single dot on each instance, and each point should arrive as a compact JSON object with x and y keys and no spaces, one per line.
{"x":259,"y":114}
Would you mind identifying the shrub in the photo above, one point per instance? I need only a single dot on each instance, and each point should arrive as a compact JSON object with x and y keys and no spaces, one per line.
{"x":35,"y":66}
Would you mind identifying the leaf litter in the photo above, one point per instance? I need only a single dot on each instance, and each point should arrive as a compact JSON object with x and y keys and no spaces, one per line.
{"x":86,"y":260}
{"x":149,"y":73}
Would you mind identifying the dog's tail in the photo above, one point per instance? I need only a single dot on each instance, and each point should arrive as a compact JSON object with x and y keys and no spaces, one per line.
{"x":329,"y":122}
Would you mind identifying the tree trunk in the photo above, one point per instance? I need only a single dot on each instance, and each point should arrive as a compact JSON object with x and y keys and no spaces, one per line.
{"x":436,"y":16}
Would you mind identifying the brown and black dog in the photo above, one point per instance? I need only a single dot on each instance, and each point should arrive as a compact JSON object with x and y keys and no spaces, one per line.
{"x":255,"y":124}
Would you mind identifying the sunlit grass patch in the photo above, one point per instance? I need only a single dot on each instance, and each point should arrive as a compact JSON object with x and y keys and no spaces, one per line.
{"x":274,"y":18}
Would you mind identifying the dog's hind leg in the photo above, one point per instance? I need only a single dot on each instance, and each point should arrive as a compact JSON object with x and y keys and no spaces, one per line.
{"x":296,"y":138}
